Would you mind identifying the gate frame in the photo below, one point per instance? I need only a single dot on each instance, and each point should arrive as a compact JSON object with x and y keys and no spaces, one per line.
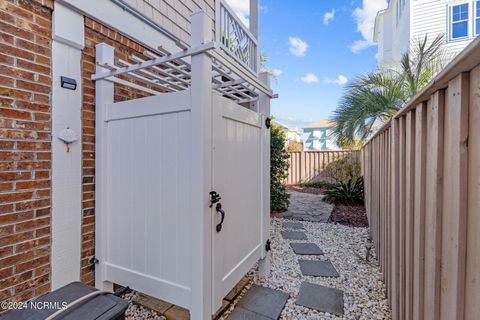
{"x":245,"y":87}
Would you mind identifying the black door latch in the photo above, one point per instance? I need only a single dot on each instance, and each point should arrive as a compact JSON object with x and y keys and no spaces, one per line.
{"x":219,"y":209}
{"x":268,"y":123}
{"x":214,"y":198}
{"x":268,"y":245}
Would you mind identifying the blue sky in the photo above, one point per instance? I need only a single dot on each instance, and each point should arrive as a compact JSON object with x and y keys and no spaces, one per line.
{"x":315,"y":46}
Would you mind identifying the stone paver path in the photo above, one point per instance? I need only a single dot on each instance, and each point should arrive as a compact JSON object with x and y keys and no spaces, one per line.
{"x":310,"y":249}
{"x":315,"y":296}
{"x":293,"y":225}
{"x":317,"y":268}
{"x":308,"y":207}
{"x":294,"y":235}
{"x":260,"y":303}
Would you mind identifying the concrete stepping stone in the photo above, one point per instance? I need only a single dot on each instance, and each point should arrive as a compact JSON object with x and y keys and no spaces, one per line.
{"x":292,"y":225}
{"x":317,"y":268}
{"x":320,"y":298}
{"x":301,"y":248}
{"x":294,"y":235}
{"x":260,"y":303}
{"x":243,"y":314}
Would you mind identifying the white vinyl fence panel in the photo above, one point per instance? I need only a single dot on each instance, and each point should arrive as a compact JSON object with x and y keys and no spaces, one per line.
{"x":148,"y":213}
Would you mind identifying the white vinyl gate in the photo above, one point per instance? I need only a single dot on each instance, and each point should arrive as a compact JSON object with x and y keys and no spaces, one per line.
{"x":182,"y":199}
{"x":237,"y":163}
{"x":147,"y":209}
{"x":147,"y":214}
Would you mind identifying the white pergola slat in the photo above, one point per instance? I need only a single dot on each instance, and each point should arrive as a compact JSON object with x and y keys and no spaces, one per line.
{"x":162,"y":71}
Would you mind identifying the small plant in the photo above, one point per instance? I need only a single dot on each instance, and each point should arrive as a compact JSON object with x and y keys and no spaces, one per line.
{"x":318,"y":185}
{"x":343,"y":170}
{"x":278,"y":169}
{"x":349,"y":193}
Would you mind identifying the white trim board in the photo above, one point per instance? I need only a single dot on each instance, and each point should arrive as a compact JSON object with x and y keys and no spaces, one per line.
{"x":114,"y":16}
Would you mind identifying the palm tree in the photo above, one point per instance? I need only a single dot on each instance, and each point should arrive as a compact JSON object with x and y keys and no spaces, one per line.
{"x":372,"y":99}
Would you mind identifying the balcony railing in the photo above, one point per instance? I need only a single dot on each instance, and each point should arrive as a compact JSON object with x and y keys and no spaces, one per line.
{"x":235,"y":38}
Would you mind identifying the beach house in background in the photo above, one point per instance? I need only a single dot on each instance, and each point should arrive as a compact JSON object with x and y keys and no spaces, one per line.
{"x":291,"y":133}
{"x":318,"y":137}
{"x":404,"y":22}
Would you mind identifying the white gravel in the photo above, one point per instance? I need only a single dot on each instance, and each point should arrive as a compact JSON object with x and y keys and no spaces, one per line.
{"x":135,"y":311}
{"x":364,"y":290}
{"x":345,"y":247}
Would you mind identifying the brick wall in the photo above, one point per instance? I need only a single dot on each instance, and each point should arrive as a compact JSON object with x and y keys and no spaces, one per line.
{"x":96,"y":33}
{"x":25,"y":144}
{"x":25,"y":148}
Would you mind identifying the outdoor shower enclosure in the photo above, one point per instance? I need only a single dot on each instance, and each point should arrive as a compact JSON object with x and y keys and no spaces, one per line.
{"x":182,"y":176}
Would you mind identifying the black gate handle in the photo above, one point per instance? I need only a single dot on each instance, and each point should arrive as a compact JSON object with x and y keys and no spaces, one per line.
{"x":218,"y":208}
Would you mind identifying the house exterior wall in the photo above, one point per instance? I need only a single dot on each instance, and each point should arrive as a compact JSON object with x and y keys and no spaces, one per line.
{"x":318,"y":139}
{"x":432,"y":17}
{"x":173,"y":15}
{"x":25,"y":148}
{"x":124,"y":47}
{"x":395,"y":36}
{"x":26,"y":86}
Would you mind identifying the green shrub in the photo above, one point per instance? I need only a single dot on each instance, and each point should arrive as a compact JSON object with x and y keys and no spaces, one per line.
{"x":278,"y":169}
{"x":295,"y":146}
{"x":318,"y":185}
{"x":348,"y":193}
{"x":343,"y":170}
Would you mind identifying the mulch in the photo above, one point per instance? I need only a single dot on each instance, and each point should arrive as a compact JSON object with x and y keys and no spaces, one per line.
{"x":349,"y":216}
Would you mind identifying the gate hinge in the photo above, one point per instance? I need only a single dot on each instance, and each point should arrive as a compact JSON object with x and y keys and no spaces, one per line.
{"x":268,"y":245}
{"x":93,"y":261}
{"x":268,"y":123}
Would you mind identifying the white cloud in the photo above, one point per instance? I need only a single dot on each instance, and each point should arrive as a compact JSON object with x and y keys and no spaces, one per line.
{"x":298,"y":47}
{"x":276,"y":72}
{"x":341,"y":80}
{"x":309,"y":78}
{"x":365,"y":18}
{"x":242,"y":9}
{"x":328,"y":17}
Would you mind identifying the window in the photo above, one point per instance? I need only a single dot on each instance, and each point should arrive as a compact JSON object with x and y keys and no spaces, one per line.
{"x":459,"y":21}
{"x":477,"y":17}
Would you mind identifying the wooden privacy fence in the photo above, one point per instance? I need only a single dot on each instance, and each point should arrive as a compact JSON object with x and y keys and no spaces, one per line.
{"x":422,"y":184}
{"x":309,"y":166}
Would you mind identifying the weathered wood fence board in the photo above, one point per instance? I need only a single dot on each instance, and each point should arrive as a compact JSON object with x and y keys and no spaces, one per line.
{"x":309,"y":166}
{"x":422,"y":194}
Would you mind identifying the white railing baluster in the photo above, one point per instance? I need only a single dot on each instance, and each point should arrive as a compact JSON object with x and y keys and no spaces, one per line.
{"x":235,"y":38}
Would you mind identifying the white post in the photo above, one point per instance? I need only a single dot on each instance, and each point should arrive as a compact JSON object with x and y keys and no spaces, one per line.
{"x":254,"y":18}
{"x":103,"y":95}
{"x":254,"y":21}
{"x":67,"y":45}
{"x":264,"y":110}
{"x":201,"y":95}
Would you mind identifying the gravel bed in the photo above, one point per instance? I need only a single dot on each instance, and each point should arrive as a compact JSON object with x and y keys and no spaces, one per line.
{"x":135,"y":312}
{"x":361,"y":281}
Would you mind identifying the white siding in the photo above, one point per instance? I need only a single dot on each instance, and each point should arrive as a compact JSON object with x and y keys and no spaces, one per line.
{"x":173,"y":15}
{"x":431,"y":17}
{"x":420,"y":17}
